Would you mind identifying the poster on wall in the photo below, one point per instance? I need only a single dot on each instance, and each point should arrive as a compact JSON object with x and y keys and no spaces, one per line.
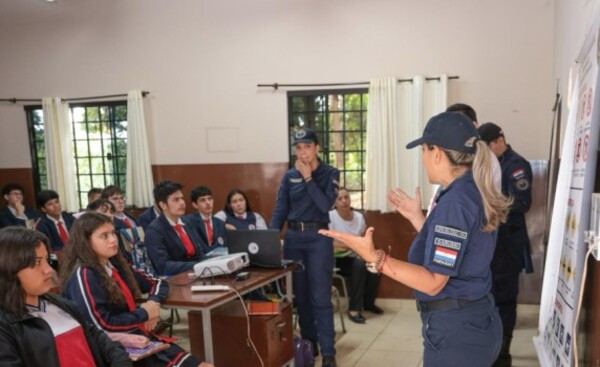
{"x":555,"y":342}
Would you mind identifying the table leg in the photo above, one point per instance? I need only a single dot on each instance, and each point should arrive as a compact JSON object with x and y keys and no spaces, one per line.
{"x":207,"y":333}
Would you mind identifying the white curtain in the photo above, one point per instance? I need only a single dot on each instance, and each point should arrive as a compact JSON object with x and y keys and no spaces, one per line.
{"x":60,"y":165}
{"x":382,"y":168}
{"x":139,"y":170}
{"x":397,"y":115}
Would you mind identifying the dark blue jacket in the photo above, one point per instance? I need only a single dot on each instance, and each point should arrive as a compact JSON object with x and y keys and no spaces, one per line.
{"x":86,"y":289}
{"x":147,"y":217}
{"x":249,"y":222}
{"x":47,"y":227}
{"x":8,"y":219}
{"x":218,"y":226}
{"x":512,"y":250}
{"x":119,"y":224}
{"x":166,"y":249}
{"x":300,"y":201}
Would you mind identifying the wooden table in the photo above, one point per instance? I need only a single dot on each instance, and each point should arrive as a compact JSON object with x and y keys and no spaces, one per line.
{"x":181,"y":296}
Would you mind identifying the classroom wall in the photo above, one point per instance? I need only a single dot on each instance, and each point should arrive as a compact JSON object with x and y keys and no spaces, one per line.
{"x":201,"y":61}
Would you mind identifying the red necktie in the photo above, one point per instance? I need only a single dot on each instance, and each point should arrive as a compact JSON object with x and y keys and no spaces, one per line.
{"x":127,"y":294}
{"x":62,"y":232}
{"x":209,"y":231}
{"x":187,"y":243}
{"x":240,"y":217}
{"x":127,"y":222}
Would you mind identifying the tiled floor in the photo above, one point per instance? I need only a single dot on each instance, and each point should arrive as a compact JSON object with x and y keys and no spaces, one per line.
{"x":394,"y":338}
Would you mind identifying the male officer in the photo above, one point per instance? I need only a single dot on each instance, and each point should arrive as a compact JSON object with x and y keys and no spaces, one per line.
{"x":512,"y":247}
{"x":307,"y":193}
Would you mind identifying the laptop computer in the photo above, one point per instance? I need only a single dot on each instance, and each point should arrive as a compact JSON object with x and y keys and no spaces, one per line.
{"x":262,"y":246}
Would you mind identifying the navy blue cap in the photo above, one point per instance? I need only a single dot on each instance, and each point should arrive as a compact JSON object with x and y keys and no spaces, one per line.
{"x":490,"y":132}
{"x":449,"y":130}
{"x":305,"y":136}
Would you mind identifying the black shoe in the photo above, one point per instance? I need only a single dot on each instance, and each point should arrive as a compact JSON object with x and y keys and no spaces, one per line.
{"x":358,"y":318}
{"x":329,"y":361}
{"x":375,"y":309}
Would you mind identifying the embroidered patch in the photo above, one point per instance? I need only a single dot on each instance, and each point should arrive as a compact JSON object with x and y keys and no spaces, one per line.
{"x":220,"y":241}
{"x":518,"y":174}
{"x":447,"y":243}
{"x":295,"y":180}
{"x":300,"y":134}
{"x":251,"y":226}
{"x":451,"y":231}
{"x":522,"y":184}
{"x":445,"y":257}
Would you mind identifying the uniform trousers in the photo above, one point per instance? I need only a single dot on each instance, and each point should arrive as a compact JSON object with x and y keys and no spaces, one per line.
{"x":506,"y":289}
{"x":469,"y":335}
{"x":312,"y":285}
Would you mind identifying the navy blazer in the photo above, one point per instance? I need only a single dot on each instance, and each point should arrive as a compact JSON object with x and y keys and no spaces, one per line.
{"x":166,"y":250}
{"x":120,"y":224}
{"x":218,"y":226}
{"x":8,"y":219}
{"x":147,"y":217}
{"x":47,"y":227}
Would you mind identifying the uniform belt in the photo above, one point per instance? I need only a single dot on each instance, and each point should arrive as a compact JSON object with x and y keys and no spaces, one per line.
{"x":447,"y":304}
{"x":307,"y":226}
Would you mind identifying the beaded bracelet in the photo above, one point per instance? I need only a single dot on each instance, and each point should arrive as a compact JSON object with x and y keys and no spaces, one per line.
{"x":377,"y":265}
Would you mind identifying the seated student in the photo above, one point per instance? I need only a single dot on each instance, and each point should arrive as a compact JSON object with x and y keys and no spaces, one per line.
{"x":121,"y":218}
{"x":237,"y":213}
{"x":210,"y":228}
{"x":363,"y":284}
{"x":15,"y":213}
{"x":173,"y":246}
{"x":148,"y":216}
{"x":55,"y":223}
{"x":38,"y":328}
{"x":96,"y":277}
{"x":94,"y":194}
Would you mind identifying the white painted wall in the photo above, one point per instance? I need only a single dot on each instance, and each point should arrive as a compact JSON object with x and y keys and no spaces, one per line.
{"x":201,"y":61}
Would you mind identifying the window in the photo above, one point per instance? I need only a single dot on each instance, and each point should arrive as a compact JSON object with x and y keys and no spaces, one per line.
{"x":339,"y":117}
{"x":99,"y":144}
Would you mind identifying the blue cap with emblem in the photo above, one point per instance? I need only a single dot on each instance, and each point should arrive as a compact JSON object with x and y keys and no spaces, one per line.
{"x":449,"y":130}
{"x":305,"y":136}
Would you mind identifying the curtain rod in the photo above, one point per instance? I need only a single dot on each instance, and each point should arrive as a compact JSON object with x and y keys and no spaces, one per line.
{"x":278,"y":85}
{"x":15,"y":100}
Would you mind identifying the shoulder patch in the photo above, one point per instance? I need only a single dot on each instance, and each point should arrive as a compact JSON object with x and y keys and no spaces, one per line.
{"x":522,"y":184}
{"x":518,"y":174}
{"x":295,"y":180}
{"x":451,"y":231}
{"x":443,"y":242}
{"x":445,"y":257}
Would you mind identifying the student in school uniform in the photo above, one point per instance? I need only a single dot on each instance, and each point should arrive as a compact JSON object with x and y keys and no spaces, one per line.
{"x":238,"y":214}
{"x":38,"y":328}
{"x":97,"y":278}
{"x":121,"y":219}
{"x":148,"y":216}
{"x":15,"y":213}
{"x":210,"y":228}
{"x":173,"y":245}
{"x":55,"y":223}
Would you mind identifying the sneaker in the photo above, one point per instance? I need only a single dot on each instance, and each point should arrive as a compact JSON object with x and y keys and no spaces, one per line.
{"x":329,"y":361}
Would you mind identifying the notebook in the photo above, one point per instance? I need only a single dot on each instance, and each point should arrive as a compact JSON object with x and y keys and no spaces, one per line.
{"x":262,"y":246}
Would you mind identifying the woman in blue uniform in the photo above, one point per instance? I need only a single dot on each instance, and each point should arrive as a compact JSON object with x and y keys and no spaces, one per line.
{"x":449,"y":260}
{"x":307,"y":193}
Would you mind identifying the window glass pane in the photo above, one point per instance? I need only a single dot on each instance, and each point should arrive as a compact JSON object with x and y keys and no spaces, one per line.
{"x":96,"y":148}
{"x":40,"y":148}
{"x":352,"y":102}
{"x":353,"y":180}
{"x":92,"y":114}
{"x":38,"y":118}
{"x":93,"y":130}
{"x":39,"y":132}
{"x":353,"y":161}
{"x":97,"y":165}
{"x":85,"y":183}
{"x":43,"y":181}
{"x":335,"y":121}
{"x":78,"y":114}
{"x":365,"y":101}
{"x":316,"y":121}
{"x":81,"y":148}
{"x":83,"y":165}
{"x":298,"y":104}
{"x":298,"y":120}
{"x":335,"y":102}
{"x":336,"y":141}
{"x":352,"y":141}
{"x":120,"y":113}
{"x":317,"y":103}
{"x":98,"y":181}
{"x":352,"y":121}
{"x":121,"y":129}
{"x":104,"y":116}
{"x":42,"y":166}
{"x":83,"y":199}
{"x":122,"y":182}
{"x":356,"y":199}
{"x":121,"y":147}
{"x":80,"y":131}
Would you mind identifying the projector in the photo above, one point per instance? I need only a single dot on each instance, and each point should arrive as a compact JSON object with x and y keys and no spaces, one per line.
{"x":221,"y":265}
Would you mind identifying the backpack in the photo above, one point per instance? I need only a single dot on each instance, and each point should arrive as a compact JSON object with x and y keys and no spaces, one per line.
{"x":304,"y":352}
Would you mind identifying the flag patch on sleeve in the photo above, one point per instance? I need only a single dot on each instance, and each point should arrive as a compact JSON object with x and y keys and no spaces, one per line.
{"x":518,"y":174}
{"x":445,"y":257}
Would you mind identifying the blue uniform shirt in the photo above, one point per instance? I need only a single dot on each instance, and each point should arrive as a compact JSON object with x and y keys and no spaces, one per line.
{"x":300,"y":201}
{"x":452,"y":242}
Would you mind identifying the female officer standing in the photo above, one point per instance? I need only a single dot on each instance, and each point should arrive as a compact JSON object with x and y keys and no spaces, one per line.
{"x":307,"y":193}
{"x":449,"y":260}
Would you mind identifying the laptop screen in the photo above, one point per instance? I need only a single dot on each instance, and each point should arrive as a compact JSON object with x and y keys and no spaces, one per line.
{"x":263,"y":246}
